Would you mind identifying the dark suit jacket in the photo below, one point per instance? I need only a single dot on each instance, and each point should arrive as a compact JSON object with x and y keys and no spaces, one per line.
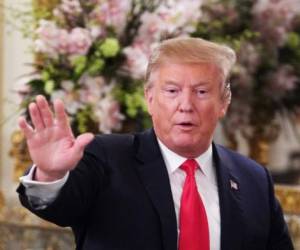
{"x":119,"y":197}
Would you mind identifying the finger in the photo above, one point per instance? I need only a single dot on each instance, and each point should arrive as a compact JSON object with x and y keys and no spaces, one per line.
{"x":25,"y":128}
{"x":36,"y":117}
{"x":81,"y":142}
{"x":45,"y":111}
{"x":60,"y":114}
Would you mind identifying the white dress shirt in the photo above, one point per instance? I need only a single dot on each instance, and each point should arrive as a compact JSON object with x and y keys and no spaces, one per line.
{"x":43,"y":193}
{"x":207,"y":186}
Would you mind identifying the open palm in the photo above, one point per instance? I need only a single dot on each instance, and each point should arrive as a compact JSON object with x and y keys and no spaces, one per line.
{"x":51,"y":143}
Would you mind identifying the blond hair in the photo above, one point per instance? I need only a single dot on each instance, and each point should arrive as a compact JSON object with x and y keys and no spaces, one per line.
{"x":192,"y":50}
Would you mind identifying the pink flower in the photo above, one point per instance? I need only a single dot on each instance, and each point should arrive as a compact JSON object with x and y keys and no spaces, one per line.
{"x":112,"y":13}
{"x":136,"y":63}
{"x":274,"y":18}
{"x":68,"y":11}
{"x":283,"y":80}
{"x":170,"y":19}
{"x":63,"y":42}
{"x":71,"y":7}
{"x":249,"y":56}
{"x":108,"y":113}
{"x":96,"y":31}
{"x":180,"y":15}
{"x":152,"y":29}
{"x":47,"y":30}
{"x":79,"y":41}
{"x":92,"y":89}
{"x":174,"y":18}
{"x":23,"y":88}
{"x":70,"y":99}
{"x":96,"y":93}
{"x":47,"y":38}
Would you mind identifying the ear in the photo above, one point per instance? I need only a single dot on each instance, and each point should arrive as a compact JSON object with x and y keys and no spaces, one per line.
{"x":148,"y":92}
{"x":225,"y":102}
{"x":224,"y":108}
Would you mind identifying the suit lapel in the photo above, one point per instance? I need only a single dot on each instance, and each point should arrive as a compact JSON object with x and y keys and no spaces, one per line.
{"x":153,"y":173}
{"x":154,"y":176}
{"x":230,"y":202}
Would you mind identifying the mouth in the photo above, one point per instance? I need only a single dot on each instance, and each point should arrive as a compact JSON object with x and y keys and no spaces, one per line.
{"x":185,"y":125}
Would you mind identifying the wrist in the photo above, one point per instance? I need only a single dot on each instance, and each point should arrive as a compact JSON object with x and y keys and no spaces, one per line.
{"x":40,"y":175}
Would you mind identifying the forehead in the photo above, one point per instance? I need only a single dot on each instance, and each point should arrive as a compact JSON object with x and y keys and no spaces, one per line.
{"x":189,"y":72}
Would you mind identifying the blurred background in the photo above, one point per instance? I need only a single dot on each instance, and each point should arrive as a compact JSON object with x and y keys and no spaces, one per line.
{"x":93,"y":54}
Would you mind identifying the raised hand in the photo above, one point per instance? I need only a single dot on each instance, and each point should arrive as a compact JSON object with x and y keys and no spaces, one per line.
{"x":51,"y":143}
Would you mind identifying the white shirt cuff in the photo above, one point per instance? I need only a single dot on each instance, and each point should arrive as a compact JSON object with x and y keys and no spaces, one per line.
{"x":41,"y":193}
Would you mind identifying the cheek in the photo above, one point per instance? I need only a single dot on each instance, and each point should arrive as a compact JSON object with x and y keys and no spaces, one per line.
{"x":211,"y":113}
{"x":165,"y":107}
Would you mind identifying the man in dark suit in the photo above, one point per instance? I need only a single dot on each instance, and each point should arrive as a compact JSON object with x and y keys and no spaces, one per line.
{"x":169,"y":187}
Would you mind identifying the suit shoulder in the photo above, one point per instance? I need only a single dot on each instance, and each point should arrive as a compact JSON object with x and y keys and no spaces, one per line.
{"x":239,"y":162}
{"x":111,"y":142}
{"x":119,"y":139}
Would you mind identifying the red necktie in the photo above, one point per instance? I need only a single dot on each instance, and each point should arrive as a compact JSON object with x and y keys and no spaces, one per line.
{"x":193,"y":221}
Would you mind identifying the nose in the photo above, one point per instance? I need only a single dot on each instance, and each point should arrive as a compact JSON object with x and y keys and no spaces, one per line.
{"x":186,"y":101}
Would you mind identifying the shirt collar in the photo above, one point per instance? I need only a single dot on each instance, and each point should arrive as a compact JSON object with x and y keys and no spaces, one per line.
{"x":173,"y":161}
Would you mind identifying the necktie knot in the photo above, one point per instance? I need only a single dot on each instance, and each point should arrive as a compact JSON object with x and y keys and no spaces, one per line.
{"x":189,"y":166}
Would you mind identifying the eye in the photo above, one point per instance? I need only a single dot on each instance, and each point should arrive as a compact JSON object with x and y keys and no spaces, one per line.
{"x":201,"y":92}
{"x":171,"y":91}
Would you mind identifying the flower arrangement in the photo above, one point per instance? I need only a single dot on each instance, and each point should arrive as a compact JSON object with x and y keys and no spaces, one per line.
{"x":93,"y":55}
{"x":265,"y":82}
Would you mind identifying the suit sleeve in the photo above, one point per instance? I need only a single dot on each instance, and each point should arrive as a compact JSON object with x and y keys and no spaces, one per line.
{"x":279,"y":238}
{"x":76,"y":198}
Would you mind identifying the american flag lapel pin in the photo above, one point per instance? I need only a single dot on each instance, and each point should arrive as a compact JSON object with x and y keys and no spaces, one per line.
{"x":234,"y":185}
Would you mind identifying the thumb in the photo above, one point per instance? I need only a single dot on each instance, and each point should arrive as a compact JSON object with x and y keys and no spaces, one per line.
{"x":82,"y":141}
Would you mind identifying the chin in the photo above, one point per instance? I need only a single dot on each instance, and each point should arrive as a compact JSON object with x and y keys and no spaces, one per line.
{"x":184,"y":146}
{"x":184,"y":140}
{"x":187,"y":148}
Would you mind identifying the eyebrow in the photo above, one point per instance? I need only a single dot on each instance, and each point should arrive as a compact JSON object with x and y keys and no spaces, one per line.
{"x":171,"y":82}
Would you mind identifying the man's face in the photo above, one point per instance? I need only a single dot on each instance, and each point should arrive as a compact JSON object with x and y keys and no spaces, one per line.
{"x":185,"y":105}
